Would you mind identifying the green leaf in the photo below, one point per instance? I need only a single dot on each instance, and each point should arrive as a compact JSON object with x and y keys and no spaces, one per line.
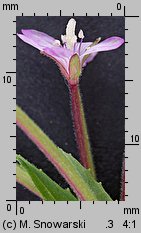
{"x":85,"y":181}
{"x":24,"y":179}
{"x":48,"y":189}
{"x":80,"y":179}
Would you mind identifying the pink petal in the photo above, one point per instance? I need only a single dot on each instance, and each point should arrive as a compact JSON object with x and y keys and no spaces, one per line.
{"x":37,"y":35}
{"x":37,"y":39}
{"x":29,"y":41}
{"x":106,"y":45}
{"x":89,"y":59}
{"x":59,"y":54}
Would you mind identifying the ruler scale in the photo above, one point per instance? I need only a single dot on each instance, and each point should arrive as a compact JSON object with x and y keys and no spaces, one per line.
{"x":63,"y":216}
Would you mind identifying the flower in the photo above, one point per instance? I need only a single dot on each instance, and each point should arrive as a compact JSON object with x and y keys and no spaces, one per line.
{"x":69,"y":54}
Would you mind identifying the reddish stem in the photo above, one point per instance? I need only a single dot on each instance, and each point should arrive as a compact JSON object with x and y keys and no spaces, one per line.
{"x":80,"y":128}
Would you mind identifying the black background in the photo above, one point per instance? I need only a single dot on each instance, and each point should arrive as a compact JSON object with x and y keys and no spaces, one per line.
{"x":43,"y":95}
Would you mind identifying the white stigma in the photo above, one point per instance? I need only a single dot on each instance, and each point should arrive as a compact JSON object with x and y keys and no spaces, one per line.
{"x":81,"y":34}
{"x":70,"y":38}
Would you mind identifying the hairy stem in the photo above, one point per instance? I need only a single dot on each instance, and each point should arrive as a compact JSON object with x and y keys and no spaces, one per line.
{"x":80,"y":128}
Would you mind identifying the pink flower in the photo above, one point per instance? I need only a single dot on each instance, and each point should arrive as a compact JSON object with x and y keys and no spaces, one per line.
{"x":69,"y":54}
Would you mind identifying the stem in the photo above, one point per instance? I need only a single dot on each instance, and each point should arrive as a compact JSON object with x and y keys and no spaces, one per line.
{"x":80,"y":128}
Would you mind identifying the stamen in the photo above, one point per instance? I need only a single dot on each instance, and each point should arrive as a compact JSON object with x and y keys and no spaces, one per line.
{"x":94,"y":43}
{"x":64,"y":45}
{"x":57,"y":43}
{"x":79,"y":50}
{"x":74,"y":47}
{"x":63,"y":38}
{"x":81,"y":34}
{"x":97,"y":41}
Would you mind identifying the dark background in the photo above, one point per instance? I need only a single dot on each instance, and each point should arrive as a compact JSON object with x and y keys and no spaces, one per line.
{"x":43,"y":95}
